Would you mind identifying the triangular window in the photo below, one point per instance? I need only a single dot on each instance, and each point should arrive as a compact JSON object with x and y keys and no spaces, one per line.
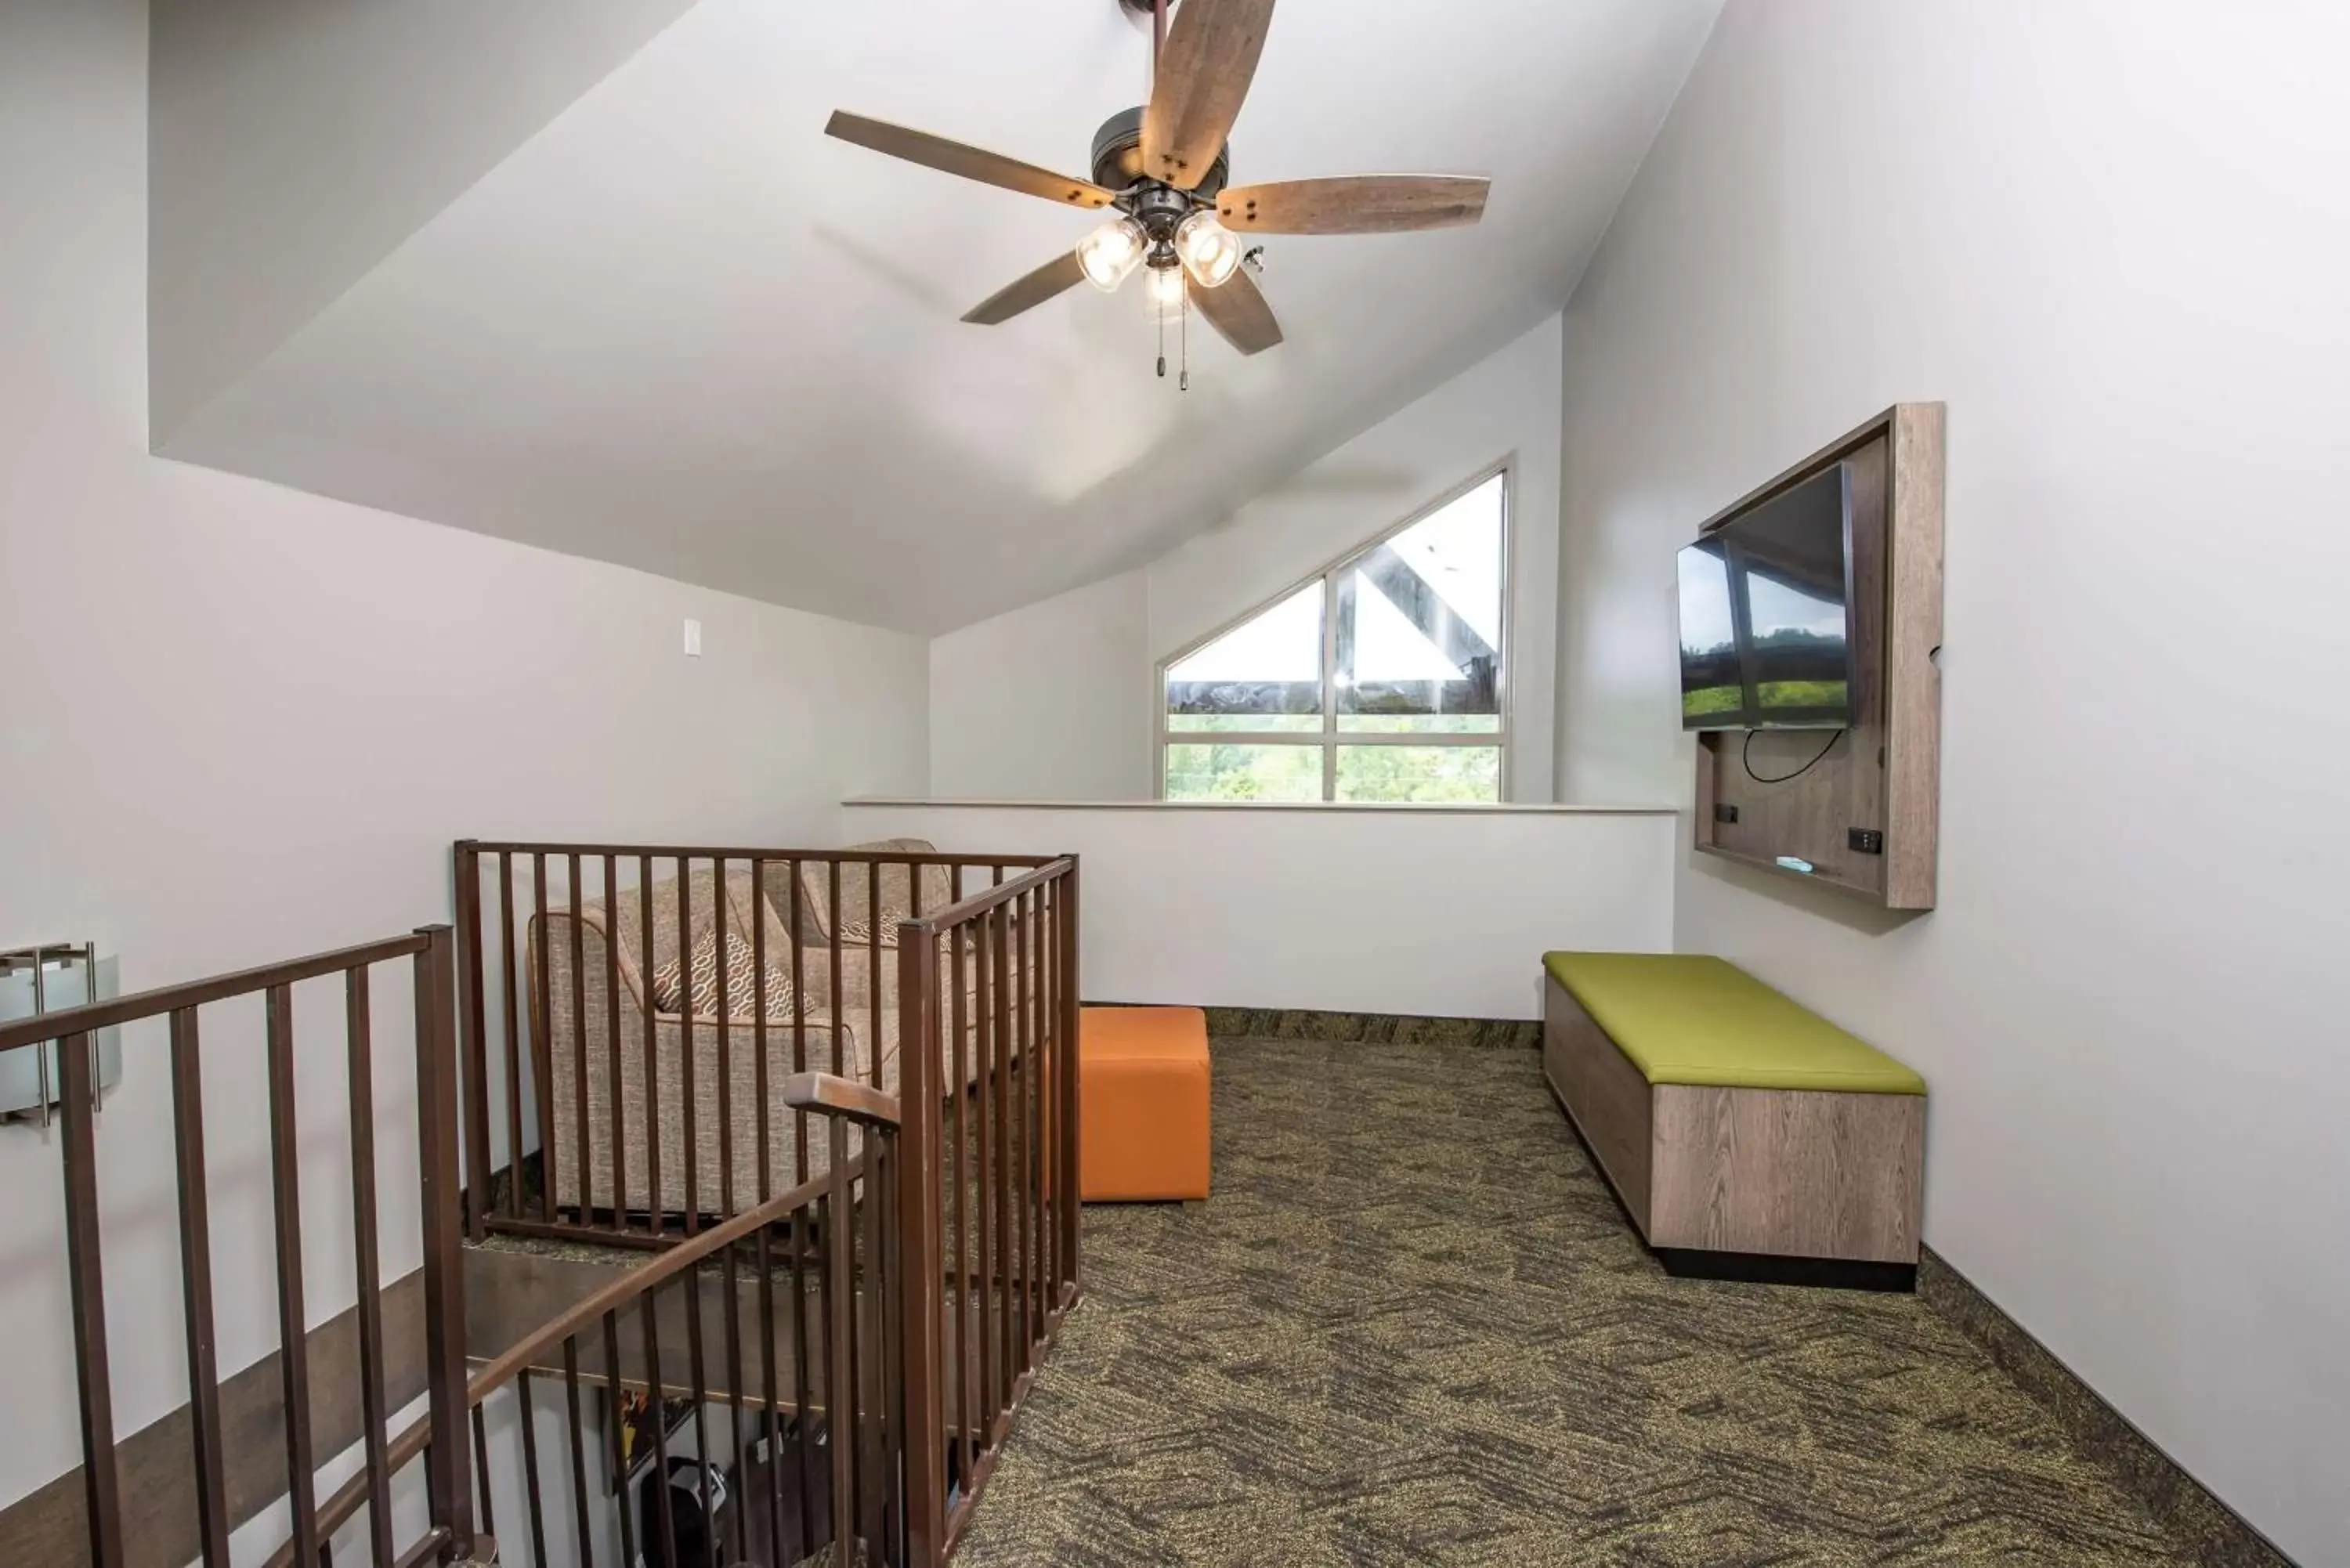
{"x":1380,"y":679}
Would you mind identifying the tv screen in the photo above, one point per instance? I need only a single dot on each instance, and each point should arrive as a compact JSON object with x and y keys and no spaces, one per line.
{"x":1766,"y":614}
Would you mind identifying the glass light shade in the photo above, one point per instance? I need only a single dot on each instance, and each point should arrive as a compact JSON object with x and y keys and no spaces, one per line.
{"x":1167,"y":288}
{"x":1110,"y":252}
{"x":1210,"y":251}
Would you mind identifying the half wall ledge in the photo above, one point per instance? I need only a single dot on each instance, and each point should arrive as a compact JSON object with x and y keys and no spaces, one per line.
{"x":1309,"y":807}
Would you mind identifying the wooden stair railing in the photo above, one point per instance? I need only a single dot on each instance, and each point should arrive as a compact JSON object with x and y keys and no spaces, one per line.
{"x":596,"y":1324}
{"x":900,"y":1301}
{"x":123,"y":1528}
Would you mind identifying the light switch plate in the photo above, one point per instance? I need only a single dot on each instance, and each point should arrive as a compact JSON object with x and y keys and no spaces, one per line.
{"x":693,"y":639}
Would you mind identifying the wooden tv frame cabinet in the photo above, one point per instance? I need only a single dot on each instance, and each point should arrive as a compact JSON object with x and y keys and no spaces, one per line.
{"x":1796,"y":1186}
{"x":1882,"y":777}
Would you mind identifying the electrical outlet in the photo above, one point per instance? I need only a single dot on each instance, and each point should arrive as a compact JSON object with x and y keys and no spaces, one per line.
{"x":1865,"y":841}
{"x":693,"y":639}
{"x":1725,"y":813}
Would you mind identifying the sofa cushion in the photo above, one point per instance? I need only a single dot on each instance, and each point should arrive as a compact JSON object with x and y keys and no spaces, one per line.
{"x":855,"y":922}
{"x":1690,"y":1018}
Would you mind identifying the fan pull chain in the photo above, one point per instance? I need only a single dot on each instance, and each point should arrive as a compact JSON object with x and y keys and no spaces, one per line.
{"x":1161,"y":313}
{"x":1184,"y":344}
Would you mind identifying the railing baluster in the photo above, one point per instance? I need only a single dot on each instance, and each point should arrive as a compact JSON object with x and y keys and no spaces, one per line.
{"x":689,"y":1287}
{"x":770,"y":1428}
{"x":872,"y":1398}
{"x":840,"y":1374}
{"x":450,"y":1501}
{"x":966,"y":1368}
{"x":542,"y":1039}
{"x":802,"y":1224}
{"x":766,"y":1163}
{"x":1032,"y":1104}
{"x":480,"y":1471}
{"x":293,"y":1347}
{"x":613,"y":1421}
{"x":737,"y":1395}
{"x":762,"y":1257}
{"x":799,"y":1036}
{"x":1010,"y":1354}
{"x":920,"y":1264}
{"x":1039,"y":1116}
{"x":655,"y":1208}
{"x":196,"y":1288}
{"x":1065,"y":904}
{"x":358,"y":1030}
{"x":1048,"y":1080}
{"x":101,"y":1486}
{"x":873,"y":967}
{"x":473,"y":1042}
{"x":578,"y":1452}
{"x":512,"y":997}
{"x":531,"y":1499}
{"x":664,"y":1511}
{"x":1023,"y":1081}
{"x":839,"y":997}
{"x":580,"y":1140}
{"x":722,"y":908}
{"x":692,"y":1153}
{"x":1022,"y":1027}
{"x":614,"y":1075}
{"x":990,"y":1153}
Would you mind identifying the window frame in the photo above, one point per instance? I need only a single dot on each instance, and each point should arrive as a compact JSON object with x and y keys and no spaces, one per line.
{"x":1330,"y":738}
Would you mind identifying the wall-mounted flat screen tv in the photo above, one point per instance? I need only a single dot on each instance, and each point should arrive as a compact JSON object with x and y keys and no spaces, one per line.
{"x":1766,"y":614}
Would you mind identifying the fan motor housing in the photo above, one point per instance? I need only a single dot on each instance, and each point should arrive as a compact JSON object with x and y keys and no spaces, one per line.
{"x":1117,"y":157}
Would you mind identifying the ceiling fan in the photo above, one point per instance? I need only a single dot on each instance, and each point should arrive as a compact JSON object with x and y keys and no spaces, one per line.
{"x":1164,"y":170}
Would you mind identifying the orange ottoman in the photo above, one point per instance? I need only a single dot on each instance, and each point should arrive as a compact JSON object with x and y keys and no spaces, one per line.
{"x":1143,"y":1117}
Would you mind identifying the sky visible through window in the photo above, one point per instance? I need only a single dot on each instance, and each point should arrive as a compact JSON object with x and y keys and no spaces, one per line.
{"x":1284,"y":643}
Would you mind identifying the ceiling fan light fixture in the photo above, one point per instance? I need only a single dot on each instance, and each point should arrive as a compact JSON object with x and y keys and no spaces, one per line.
{"x":1211,"y":252}
{"x":1110,"y":252}
{"x":1166,"y":289}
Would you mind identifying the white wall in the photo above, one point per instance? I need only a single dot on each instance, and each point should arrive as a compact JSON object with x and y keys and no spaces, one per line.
{"x":243,"y":723}
{"x":2110,"y":235}
{"x":1052,"y":700}
{"x":1082,"y":729}
{"x":1429,"y":912}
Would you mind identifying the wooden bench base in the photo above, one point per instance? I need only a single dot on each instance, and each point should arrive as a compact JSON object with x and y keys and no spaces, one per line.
{"x":1711,"y":1175}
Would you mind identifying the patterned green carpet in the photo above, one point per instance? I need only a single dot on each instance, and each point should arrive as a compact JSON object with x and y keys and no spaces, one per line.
{"x":1413,"y":1326}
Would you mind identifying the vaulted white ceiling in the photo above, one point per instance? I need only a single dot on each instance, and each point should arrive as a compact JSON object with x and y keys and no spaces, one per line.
{"x":587,"y":273}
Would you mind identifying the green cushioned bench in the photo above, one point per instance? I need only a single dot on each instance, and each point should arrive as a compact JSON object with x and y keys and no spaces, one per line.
{"x":1747,"y":1136}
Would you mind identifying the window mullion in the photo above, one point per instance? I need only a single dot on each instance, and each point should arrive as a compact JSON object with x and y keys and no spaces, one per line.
{"x":1330,"y":686}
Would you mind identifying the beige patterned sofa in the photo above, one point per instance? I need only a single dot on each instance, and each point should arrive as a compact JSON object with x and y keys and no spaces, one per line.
{"x":846,"y":1007}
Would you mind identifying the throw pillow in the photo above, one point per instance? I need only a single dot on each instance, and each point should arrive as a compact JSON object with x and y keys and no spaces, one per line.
{"x":694,"y":986}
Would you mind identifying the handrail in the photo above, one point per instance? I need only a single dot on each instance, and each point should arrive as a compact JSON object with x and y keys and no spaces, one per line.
{"x":339,"y":1508}
{"x":842,"y":1096}
{"x":980,"y":902}
{"x":91,"y":1017}
{"x":637,"y":1282}
{"x":706,"y":852}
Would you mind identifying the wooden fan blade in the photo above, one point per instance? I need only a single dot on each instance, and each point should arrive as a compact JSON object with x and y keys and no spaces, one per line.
{"x":1203,"y":75}
{"x":971,"y":162}
{"x":1029,"y":292}
{"x":1354,"y":204}
{"x":1238,"y":310}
